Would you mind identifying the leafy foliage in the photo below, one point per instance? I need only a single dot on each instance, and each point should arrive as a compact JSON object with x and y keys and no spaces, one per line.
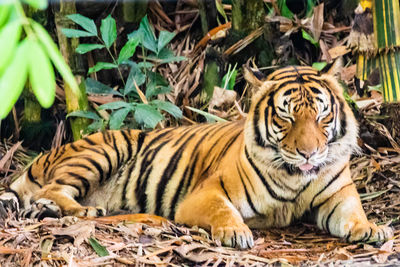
{"x":138,"y":109}
{"x":28,"y":53}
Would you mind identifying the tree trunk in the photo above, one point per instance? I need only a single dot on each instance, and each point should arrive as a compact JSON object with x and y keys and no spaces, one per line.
{"x":247,"y":15}
{"x":134,"y":11}
{"x":74,"y":60}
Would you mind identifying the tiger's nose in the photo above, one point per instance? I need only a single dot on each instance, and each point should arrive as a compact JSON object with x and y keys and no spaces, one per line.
{"x":306,"y":154}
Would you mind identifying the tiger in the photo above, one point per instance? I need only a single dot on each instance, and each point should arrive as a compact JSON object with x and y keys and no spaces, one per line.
{"x":286,"y":161}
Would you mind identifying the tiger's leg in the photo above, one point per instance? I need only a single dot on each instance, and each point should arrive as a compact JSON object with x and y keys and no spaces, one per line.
{"x":208,"y":206}
{"x":342,"y":215}
{"x":64,"y":197}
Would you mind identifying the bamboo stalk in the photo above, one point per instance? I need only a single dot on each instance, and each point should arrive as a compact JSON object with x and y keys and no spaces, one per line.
{"x":386,"y":15}
{"x":67,"y":47}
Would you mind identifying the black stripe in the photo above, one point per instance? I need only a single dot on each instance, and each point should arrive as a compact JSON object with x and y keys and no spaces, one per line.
{"x":245,"y":175}
{"x":110,"y":166}
{"x":101,"y":151}
{"x":189,"y":171}
{"x":16,"y":195}
{"x":154,"y":140}
{"x":221,"y":182}
{"x":248,"y":197}
{"x":61,"y":182}
{"x":295,"y":75}
{"x":185,"y":180}
{"x":145,"y":171}
{"x":90,"y":142}
{"x":228,"y":145}
{"x":327,"y":199}
{"x":83,"y":180}
{"x":334,"y":178}
{"x":267,"y":186}
{"x":140,"y":141}
{"x":114,"y":143}
{"x":330,"y":216}
{"x":96,"y":165}
{"x":169,"y":171}
{"x":128,"y":144}
{"x":74,"y":148}
{"x":256,"y":118}
{"x":31,"y":178}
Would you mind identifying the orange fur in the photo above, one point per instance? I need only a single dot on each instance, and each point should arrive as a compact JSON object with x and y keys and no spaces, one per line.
{"x":288,"y":160}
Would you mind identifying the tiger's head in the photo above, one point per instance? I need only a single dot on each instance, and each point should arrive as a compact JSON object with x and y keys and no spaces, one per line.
{"x":299,"y":121}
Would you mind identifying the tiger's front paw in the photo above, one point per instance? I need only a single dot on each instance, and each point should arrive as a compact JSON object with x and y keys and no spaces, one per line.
{"x":42,"y":208}
{"x":8,"y":204}
{"x":238,"y":235}
{"x":86,"y":211}
{"x":369,"y":233}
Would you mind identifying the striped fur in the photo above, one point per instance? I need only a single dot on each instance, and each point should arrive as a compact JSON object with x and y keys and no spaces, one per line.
{"x":289,"y":159}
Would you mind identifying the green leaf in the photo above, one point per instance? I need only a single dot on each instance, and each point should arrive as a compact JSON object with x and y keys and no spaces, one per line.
{"x":164,"y":38}
{"x":128,"y":50}
{"x":209,"y":117}
{"x":9,"y":36}
{"x":96,"y":87}
{"x":102,"y":66}
{"x":84,"y":114}
{"x":145,"y":65}
{"x":117,"y":118}
{"x":166,"y":56}
{"x":13,"y":79}
{"x":41,"y":74}
{"x":108,"y":31}
{"x":147,"y":115}
{"x":95,"y":126}
{"x":135,"y":75}
{"x":147,"y":36}
{"x":229,"y":79}
{"x":285,"y":11}
{"x":220,"y":9}
{"x":308,"y":37}
{"x":72,"y":33}
{"x":168,"y":107}
{"x":84,"y":22}
{"x":38,"y":4}
{"x":310,"y":8}
{"x":115,"y":105}
{"x":156,"y":85}
{"x":319,"y":65}
{"x":100,"y":250}
{"x":84,"y":48}
{"x":4,"y":13}
{"x":56,"y":57}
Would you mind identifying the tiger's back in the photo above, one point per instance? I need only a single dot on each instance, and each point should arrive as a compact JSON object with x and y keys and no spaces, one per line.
{"x":132,"y":169}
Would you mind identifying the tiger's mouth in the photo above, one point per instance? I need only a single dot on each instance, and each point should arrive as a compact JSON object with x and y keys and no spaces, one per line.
{"x":293,"y":169}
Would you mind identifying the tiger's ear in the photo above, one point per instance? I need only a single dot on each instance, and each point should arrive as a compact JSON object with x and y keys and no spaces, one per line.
{"x":257,"y":79}
{"x":336,"y":68}
{"x":253,"y":77}
{"x":333,"y":76}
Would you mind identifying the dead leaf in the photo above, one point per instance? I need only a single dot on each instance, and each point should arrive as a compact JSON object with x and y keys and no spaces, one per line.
{"x":317,"y":21}
{"x":195,"y":252}
{"x":337,"y":51}
{"x":222,"y":97}
{"x":80,"y":231}
{"x":8,"y":156}
{"x":384,"y":252}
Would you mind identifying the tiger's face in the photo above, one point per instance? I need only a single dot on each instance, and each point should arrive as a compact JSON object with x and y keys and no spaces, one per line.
{"x":299,"y":120}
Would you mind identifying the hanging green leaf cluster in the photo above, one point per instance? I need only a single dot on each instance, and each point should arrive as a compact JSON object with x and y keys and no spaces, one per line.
{"x":28,"y":54}
{"x":145,"y":108}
